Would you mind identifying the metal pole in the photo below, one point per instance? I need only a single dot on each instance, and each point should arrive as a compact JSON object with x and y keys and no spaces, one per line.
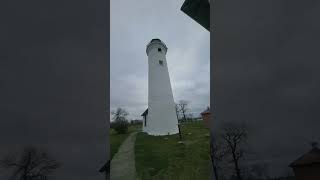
{"x":179,"y":132}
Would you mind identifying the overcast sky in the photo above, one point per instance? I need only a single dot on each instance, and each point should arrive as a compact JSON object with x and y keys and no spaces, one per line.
{"x":133,"y":24}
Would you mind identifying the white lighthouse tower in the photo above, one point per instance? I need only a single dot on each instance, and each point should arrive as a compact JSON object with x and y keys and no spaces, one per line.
{"x":160,"y":118}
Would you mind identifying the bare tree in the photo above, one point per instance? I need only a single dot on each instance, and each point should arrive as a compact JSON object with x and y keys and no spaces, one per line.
{"x":31,"y":164}
{"x":119,"y":114}
{"x":217,"y":152}
{"x":177,"y":110}
{"x":120,"y":124}
{"x":183,"y":107}
{"x":234,"y":135}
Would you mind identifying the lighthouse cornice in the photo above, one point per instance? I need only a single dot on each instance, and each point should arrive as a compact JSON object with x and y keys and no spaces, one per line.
{"x":155,"y":43}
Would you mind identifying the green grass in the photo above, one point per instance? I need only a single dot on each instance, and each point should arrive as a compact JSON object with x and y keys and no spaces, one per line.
{"x":161,"y":157}
{"x":117,"y":139}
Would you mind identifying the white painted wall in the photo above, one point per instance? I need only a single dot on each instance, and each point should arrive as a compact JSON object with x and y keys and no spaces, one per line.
{"x":161,"y":119}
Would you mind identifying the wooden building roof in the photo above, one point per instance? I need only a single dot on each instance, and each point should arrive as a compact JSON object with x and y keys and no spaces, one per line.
{"x":207,"y":111}
{"x":310,"y":158}
{"x":145,"y":112}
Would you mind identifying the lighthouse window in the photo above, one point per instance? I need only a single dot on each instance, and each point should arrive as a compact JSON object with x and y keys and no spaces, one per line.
{"x":161,"y":62}
{"x":159,"y":49}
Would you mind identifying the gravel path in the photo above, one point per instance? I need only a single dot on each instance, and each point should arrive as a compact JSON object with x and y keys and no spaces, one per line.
{"x":122,"y":165}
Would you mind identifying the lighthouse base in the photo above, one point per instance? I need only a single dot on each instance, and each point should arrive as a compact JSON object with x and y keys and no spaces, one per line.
{"x":154,"y":132}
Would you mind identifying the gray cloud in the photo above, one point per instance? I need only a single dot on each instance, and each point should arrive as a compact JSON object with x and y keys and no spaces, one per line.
{"x":132,"y":27}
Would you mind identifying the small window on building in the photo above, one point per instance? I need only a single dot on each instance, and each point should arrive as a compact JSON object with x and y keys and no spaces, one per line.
{"x":159,"y":49}
{"x":161,"y":62}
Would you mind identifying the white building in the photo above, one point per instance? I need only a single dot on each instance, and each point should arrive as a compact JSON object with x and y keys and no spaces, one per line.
{"x":160,"y":118}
